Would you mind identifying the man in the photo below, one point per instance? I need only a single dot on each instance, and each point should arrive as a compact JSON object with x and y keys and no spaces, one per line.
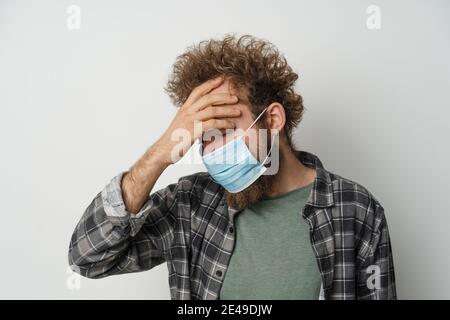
{"x":237,"y":232}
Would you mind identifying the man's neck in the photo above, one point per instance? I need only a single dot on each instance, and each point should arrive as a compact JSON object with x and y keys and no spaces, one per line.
{"x":292,"y":173}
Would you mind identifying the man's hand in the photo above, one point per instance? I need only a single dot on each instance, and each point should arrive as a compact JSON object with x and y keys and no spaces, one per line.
{"x":202,"y":106}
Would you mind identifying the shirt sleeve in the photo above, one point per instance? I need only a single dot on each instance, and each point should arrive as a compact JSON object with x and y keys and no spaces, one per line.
{"x":376,"y":276}
{"x":109,"y":240}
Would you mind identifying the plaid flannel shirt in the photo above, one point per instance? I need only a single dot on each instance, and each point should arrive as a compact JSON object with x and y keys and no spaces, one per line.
{"x":189,"y":225}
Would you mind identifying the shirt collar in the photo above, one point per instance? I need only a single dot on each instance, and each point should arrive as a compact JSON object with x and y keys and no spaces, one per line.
{"x":322,"y":192}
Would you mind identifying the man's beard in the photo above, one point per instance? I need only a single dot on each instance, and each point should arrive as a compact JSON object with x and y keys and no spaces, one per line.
{"x":252,"y":194}
{"x":256,"y":191}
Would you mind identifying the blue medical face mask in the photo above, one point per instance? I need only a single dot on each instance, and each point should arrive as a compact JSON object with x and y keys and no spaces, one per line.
{"x":233,"y":166}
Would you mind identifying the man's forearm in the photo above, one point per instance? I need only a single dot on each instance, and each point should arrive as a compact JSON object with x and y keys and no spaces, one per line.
{"x":140,"y":179}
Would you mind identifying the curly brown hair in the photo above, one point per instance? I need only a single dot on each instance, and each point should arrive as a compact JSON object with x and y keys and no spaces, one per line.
{"x":252,"y":64}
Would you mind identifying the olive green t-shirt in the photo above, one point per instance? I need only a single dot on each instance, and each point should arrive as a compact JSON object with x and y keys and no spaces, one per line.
{"x":273,"y":257}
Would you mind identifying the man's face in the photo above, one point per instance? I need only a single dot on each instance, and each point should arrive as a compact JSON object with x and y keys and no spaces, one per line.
{"x":215,"y":139}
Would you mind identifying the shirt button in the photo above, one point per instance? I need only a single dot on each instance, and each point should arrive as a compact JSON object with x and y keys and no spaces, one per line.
{"x":218,"y":273}
{"x":231,"y":229}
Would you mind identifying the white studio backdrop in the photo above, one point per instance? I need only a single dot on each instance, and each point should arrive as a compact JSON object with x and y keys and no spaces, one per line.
{"x":81,"y":100}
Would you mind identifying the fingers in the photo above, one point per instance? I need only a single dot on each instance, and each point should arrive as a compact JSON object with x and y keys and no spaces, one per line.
{"x":217,"y":124}
{"x":203,"y":89}
{"x":214,"y":99}
{"x":218,"y":112}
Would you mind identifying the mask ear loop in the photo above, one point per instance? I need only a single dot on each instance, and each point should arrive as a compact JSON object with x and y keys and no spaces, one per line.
{"x":257,"y":118}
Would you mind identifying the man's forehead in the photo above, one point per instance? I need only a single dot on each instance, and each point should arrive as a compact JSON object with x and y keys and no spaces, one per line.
{"x":229,"y":87}
{"x":225,"y":87}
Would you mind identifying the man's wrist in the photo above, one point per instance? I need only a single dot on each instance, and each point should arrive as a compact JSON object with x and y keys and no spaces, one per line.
{"x":149,"y":167}
{"x":140,"y":179}
{"x":158,"y":155}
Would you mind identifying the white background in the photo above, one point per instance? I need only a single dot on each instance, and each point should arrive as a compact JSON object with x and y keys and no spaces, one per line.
{"x":79,"y":106}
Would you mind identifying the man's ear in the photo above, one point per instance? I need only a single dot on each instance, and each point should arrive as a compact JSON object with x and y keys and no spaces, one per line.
{"x":275,"y":117}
